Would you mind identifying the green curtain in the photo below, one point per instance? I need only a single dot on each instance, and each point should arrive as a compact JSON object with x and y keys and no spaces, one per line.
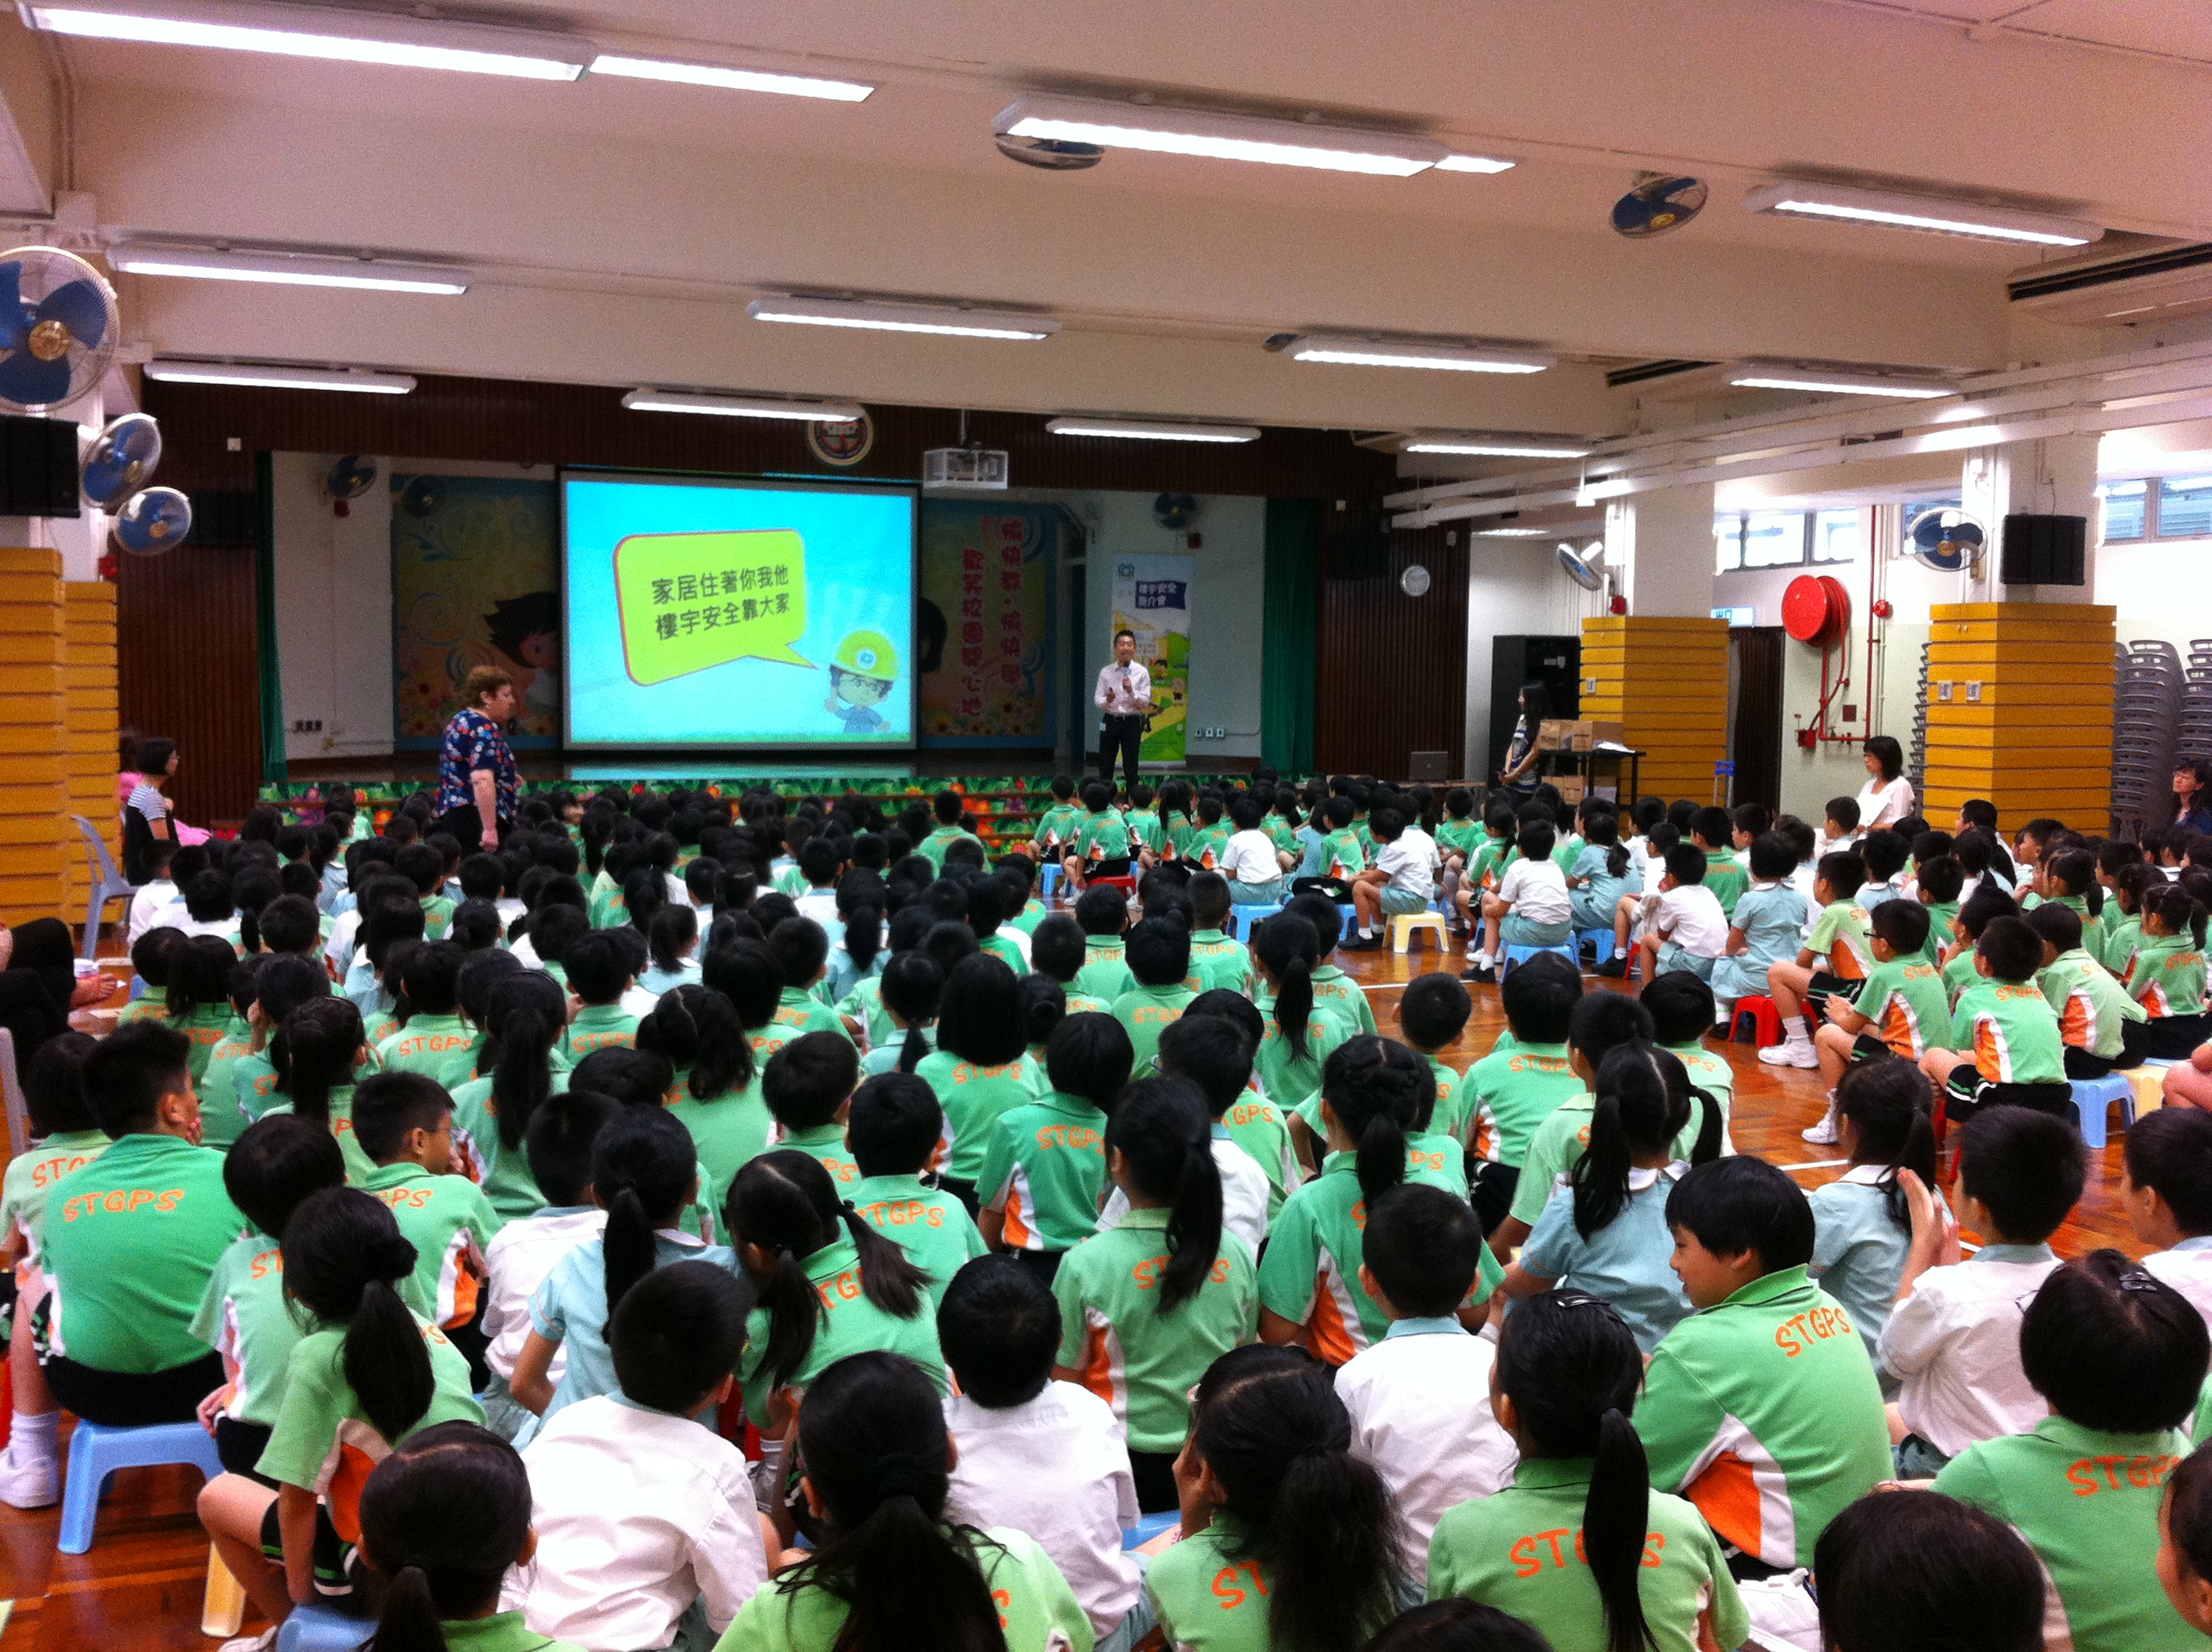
{"x":1288,"y":634}
{"x":273,"y":771}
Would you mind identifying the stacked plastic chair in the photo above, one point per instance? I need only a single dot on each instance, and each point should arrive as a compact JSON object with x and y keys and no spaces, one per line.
{"x":1915,"y":767}
{"x":2146,"y":726}
{"x":2194,"y":736}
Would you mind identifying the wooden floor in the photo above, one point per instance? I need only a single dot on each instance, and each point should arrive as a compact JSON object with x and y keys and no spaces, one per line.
{"x":140,"y":1588}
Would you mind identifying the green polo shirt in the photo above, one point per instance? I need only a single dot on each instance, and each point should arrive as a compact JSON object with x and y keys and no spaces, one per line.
{"x":1147,"y":1012}
{"x":1961,"y":973}
{"x":1105,"y":973}
{"x":222,"y":1121}
{"x":1838,"y":941}
{"x":849,"y":1324}
{"x":598,"y":1027}
{"x":1283,"y":1072}
{"x":2123,"y":935}
{"x":449,"y":1222}
{"x":1204,"y":849}
{"x":1205,"y":1599}
{"x":1905,"y":1000}
{"x":254,"y":1078}
{"x":799,"y":1012}
{"x":1033,"y":913}
{"x":933,"y":847}
{"x":730,"y":1130}
{"x":2087,"y":1501}
{"x":933,"y":1229}
{"x":2167,"y":976}
{"x":1046,"y":1168}
{"x":2011,"y":1031}
{"x":1725,"y":878}
{"x":1333,"y":989}
{"x":864,"y":1004}
{"x":31,"y":1174}
{"x":825,"y":1143}
{"x":1516,"y":1089}
{"x":503,"y":1632}
{"x":1764,"y":1411}
{"x":1139,"y":1360}
{"x":1707,"y":1070}
{"x":1220,"y":960}
{"x":1103,"y":837}
{"x":244,"y":1316}
{"x":2092,"y":1007}
{"x":1341,"y":856}
{"x":1519,"y":1549}
{"x":440,"y":1047}
{"x":359,"y":1167}
{"x":1056,"y":826}
{"x":209,"y":1025}
{"x":130,"y":1241}
{"x":1145,"y":826}
{"x":974,"y":1099}
{"x":1257,"y":1125}
{"x":1940,"y":914}
{"x":503,"y":1174}
{"x":997,"y":946}
{"x":320,"y":1433}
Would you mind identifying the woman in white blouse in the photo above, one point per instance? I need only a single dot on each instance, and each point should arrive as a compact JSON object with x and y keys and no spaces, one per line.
{"x":1887,"y":798}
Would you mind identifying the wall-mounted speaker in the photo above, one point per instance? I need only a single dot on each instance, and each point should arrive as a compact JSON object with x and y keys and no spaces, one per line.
{"x":2044,"y":550}
{"x":38,"y":466}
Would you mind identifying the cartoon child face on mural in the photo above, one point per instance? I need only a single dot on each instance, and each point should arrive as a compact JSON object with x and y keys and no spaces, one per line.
{"x":861,"y":676}
{"x":526,"y":630}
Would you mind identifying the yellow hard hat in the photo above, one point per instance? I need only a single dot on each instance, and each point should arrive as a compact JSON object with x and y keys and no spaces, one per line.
{"x":867,"y":654}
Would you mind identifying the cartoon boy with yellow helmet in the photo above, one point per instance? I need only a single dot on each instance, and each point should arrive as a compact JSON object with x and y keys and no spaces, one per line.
{"x":860,"y":679}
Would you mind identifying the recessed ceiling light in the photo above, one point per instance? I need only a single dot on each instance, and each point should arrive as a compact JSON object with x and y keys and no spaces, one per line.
{"x":742,"y":407}
{"x":1473,"y":163}
{"x":1140,"y":430}
{"x":278,"y":377}
{"x":1781,"y":375}
{"x":1165,"y":130}
{"x":949,"y":320}
{"x":735,"y":80}
{"x":1492,"y":447}
{"x":1897,"y":209}
{"x":296,"y":31}
{"x":286,"y":268}
{"x":1348,"y":351}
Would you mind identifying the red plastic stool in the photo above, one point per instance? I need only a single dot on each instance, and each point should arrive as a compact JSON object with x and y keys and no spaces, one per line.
{"x":1766,"y":1022}
{"x":1127,"y":884}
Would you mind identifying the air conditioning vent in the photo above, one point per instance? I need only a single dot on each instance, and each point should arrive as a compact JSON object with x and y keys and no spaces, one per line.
{"x":2158,"y":286}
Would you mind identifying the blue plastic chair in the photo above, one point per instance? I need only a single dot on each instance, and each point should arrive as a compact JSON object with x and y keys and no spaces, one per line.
{"x":95,"y":1452}
{"x":1601,"y":943}
{"x":1244,"y":920}
{"x":2093,"y":1096}
{"x":1147,"y":1528}
{"x":1049,"y":877}
{"x":1522,"y":954}
{"x":320,"y":1629}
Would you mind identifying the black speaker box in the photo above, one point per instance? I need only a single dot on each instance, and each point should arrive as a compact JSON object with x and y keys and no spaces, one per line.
{"x":38,"y":466}
{"x":2044,"y":550}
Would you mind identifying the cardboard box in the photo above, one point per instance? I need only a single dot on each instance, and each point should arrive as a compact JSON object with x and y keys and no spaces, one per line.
{"x":1589,"y":733}
{"x":1572,"y":787}
{"x":1575,"y":733}
{"x":1553,"y":733}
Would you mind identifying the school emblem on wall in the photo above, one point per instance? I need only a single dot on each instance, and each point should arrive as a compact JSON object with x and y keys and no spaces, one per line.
{"x":844,"y":443}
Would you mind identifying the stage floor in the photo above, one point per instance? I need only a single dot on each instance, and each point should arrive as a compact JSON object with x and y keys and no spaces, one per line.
{"x":410,"y":766}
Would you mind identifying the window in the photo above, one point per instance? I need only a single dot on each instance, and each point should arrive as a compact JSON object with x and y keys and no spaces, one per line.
{"x":2184,"y":507}
{"x":1911,"y":514}
{"x":1838,"y":536}
{"x":1728,"y":544}
{"x":2124,"y":508}
{"x":1774,"y":539}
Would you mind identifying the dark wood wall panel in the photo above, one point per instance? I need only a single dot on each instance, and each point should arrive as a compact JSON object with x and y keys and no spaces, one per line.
{"x":1392,"y":668}
{"x":188,"y":669}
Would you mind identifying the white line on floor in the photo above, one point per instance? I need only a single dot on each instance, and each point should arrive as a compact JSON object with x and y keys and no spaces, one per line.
{"x":1818,"y":1164}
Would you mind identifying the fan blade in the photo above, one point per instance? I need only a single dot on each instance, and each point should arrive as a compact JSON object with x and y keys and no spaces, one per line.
{"x":29,"y":382}
{"x":82,"y":307}
{"x":15,"y":323}
{"x":1967,"y":533}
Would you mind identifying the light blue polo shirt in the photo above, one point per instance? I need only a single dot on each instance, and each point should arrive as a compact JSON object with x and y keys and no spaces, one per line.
{"x":571,"y":1308}
{"x":1858,"y":1253}
{"x":1625,"y":1262}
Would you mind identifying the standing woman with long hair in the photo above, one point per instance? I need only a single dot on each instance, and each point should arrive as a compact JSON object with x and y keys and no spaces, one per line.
{"x":1518,"y":773}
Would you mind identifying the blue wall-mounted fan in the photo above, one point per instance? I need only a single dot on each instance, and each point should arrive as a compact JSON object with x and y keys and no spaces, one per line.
{"x":57,"y":323}
{"x":121,"y":459}
{"x":1659,"y":202}
{"x":1945,"y":540}
{"x":153,"y":521}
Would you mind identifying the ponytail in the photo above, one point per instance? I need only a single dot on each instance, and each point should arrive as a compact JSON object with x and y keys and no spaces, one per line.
{"x":1644,"y":1099}
{"x":864,"y":936}
{"x":410,"y":1620}
{"x":644,"y":892}
{"x":916,"y":1047}
{"x":1379,"y":1090}
{"x":914,"y":986}
{"x":442,"y":1519}
{"x":2129,"y":881}
{"x":667,"y":933}
{"x":888,"y":1278}
{"x":1889,"y":1103}
{"x":527,"y":1014}
{"x":1289,"y":947}
{"x":314,"y":1054}
{"x":698,"y":1030}
{"x":2179,"y":911}
{"x":2076,"y":872}
{"x":1294,"y":1002}
{"x":1165,"y":1136}
{"x":644,"y":1169}
{"x":1616,"y":1517}
{"x":345,"y":1257}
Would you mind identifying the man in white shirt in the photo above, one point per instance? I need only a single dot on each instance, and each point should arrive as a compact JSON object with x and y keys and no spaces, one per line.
{"x":640,"y":1508}
{"x":1124,"y":696}
{"x":1403,"y":880}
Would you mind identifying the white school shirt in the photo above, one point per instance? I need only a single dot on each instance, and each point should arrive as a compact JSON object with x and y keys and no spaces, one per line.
{"x":1419,"y":1402}
{"x":819,"y":904}
{"x":1955,"y":1343}
{"x":1250,"y":858}
{"x":510,"y":909}
{"x":637,"y":1512}
{"x":339,"y":948}
{"x":1407,"y":866}
{"x":521,"y":1255}
{"x":2188,"y":1268}
{"x":525,"y":953}
{"x":223,"y":929}
{"x":1537,"y":889}
{"x":1056,"y":1467}
{"x":1646,"y":868}
{"x":1244,"y":1193}
{"x":1690,"y":915}
{"x":1801,"y":881}
{"x":145,"y":905}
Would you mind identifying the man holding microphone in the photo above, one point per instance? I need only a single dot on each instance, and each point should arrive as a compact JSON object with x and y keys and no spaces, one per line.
{"x":1125,"y":695}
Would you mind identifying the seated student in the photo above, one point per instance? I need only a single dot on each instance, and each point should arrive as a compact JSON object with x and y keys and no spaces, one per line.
{"x":671,"y":942}
{"x":1602,"y":873}
{"x":1103,"y":845}
{"x":1281,"y":1506}
{"x":981,"y":1068}
{"x":1764,"y":929}
{"x":2166,"y":1187}
{"x":2096,"y":1018}
{"x":893,"y":1124}
{"x":1217,"y":959}
{"x":1954,"y":1337}
{"x":149,"y":963}
{"x":1761,"y":1407}
{"x":1884,"y":853}
{"x":492,"y":1115}
{"x":826,"y":1284}
{"x":1300,"y":1031}
{"x":1103,"y":915}
{"x":1492,"y":854}
{"x":808,"y":1085}
{"x":1840,"y":826}
{"x":1058,"y":950}
{"x":913,"y":988}
{"x":368,"y":1374}
{"x":1712,"y":834}
{"x":211,"y":910}
{"x":1649,"y":1572}
{"x":598,"y":966}
{"x":951,"y":810}
{"x":1682,"y":1011}
{"x":987,"y":913}
{"x":2119,"y":1359}
{"x":1605,"y":1232}
{"x":1044,"y":1172}
{"x":1974,"y":914}
{"x":1937,"y":884}
{"x":2004,"y":1045}
{"x":2185,"y":1530}
{"x":1431,"y":1014}
{"x":425,"y":867}
{"x":820,"y":864}
{"x":1253,"y":1122}
{"x":640,"y":1510}
{"x":1508,"y":1092}
{"x":1374,"y":1094}
{"x":1158,"y":954}
{"x":1901,"y":1009}
{"x":1598,"y":1023}
{"x":1834,"y":960}
{"x":1401,"y":882}
{"x":1338,"y":859}
{"x":1420,"y":1398}
{"x":2070,"y":879}
{"x":1147,"y":1304}
{"x":434,"y":1039}
{"x":1910,"y":1572}
{"x":318,"y":1051}
{"x":2130,"y":882}
{"x":1252,"y":865}
{"x":198,"y":997}
{"x":1056,"y":825}
{"x":1334,"y":990}
{"x":2166,"y":976}
{"x":877,"y":1458}
{"x":63,"y":1138}
{"x":645,"y":1173}
{"x":1219,"y":1062}
{"x":1043,"y":1457}
{"x":1862,"y":1220}
{"x":1531,"y":906}
{"x":404,"y":1123}
{"x":158,"y":891}
{"x":558,"y":1146}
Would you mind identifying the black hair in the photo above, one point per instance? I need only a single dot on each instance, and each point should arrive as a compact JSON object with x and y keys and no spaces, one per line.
{"x":1089,"y":1055}
{"x":1601,"y":1022}
{"x":1380,"y":1092}
{"x":525,"y":1019}
{"x":2177,"y":910}
{"x":1644,"y":1097}
{"x":1571,"y":1367}
{"x":344,"y":1259}
{"x":1323,"y":914}
{"x":746,"y":973}
{"x":1917,"y":1571}
{"x":669,"y":934}
{"x":1165,"y":1136}
{"x":315,"y":1052}
{"x":1845,"y":811}
{"x":1904,"y":925}
{"x":563,"y":1133}
{"x":442,"y":1519}
{"x":807,"y":1080}
{"x":2170,"y":1150}
{"x":1456,"y":1624}
{"x":677,"y":1334}
{"x":644,"y":1169}
{"x":999,"y":1327}
{"x":1540,"y":996}
{"x":208,"y":897}
{"x":1712,"y":823}
{"x":126,"y":1078}
{"x":2027,"y":1167}
{"x":2113,"y":1347}
{"x":1308,"y":1514}
{"x":698,"y":1030}
{"x":1742,"y":1203}
{"x":1101,"y":910}
{"x":1157,"y":952}
{"x":275,"y":1165}
{"x":1221,"y":1004}
{"x":53,"y":1084}
{"x":1537,"y":840}
{"x":151,"y":952}
{"x":1889,"y":1103}
{"x":913,"y":988}
{"x":1289,"y":950}
{"x":598,"y":966}
{"x":1941,"y":878}
{"x":1686,"y":864}
{"x":2057,"y":925}
{"x":387,"y":1106}
{"x":1424,"y":1248}
{"x":2189,"y":1512}
{"x":1681,"y":1006}
{"x":289,"y":925}
{"x":1535,"y":701}
{"x":634,"y":1077}
{"x":784,"y":1203}
{"x":429,"y":980}
{"x":1220,"y":1065}
{"x":1884,"y":853}
{"x":979,"y":1014}
{"x":199,"y":975}
{"x":895,"y":1125}
{"x":1887,"y":753}
{"x":1844,"y":870}
{"x":2013,"y":950}
{"x":1434,"y":1009}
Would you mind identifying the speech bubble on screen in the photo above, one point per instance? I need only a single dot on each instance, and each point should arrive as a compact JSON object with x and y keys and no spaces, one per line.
{"x":690,"y":601}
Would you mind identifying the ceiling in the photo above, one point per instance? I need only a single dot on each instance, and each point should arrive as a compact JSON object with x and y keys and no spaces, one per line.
{"x":620,"y":227}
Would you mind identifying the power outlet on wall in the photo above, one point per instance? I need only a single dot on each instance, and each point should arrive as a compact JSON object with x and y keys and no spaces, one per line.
{"x":306,"y":726}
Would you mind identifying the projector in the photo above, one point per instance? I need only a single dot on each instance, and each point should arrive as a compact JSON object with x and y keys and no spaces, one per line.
{"x":964,"y":467}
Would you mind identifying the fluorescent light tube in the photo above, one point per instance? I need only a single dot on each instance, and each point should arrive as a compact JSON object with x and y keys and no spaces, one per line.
{"x":277,"y":377}
{"x":284,"y":268}
{"x":1774,"y":375}
{"x":1487,"y":163}
{"x":1491,"y":447}
{"x":1140,"y":431}
{"x":1382,"y":353}
{"x":1515,"y":533}
{"x":1900,"y":210}
{"x":1161,"y":130}
{"x":742,"y":407}
{"x":297,"y":31}
{"x":734,"y":80}
{"x":947,"y":320}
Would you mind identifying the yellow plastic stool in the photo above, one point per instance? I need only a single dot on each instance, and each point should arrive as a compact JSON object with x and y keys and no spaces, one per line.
{"x":223,"y":1608}
{"x":1407,"y":924}
{"x":2150,"y":1088}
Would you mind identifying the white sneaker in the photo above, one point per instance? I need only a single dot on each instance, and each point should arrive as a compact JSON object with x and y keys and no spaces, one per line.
{"x":33,"y":1485}
{"x":264,"y":1641}
{"x":1822,"y":1134}
{"x":1789,"y":1054}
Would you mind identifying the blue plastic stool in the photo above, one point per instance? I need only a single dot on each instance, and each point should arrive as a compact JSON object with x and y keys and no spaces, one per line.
{"x":1147,"y":1528}
{"x":1244,"y":920}
{"x":1351,"y":925}
{"x":2092,"y":1096}
{"x":1601,"y":941}
{"x":96,"y":1452}
{"x":1049,"y":877}
{"x":320,"y":1629}
{"x":1522,"y":954}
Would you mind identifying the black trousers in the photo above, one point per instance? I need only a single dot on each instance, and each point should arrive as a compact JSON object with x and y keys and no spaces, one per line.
{"x":466,"y":825}
{"x":1122,"y":735}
